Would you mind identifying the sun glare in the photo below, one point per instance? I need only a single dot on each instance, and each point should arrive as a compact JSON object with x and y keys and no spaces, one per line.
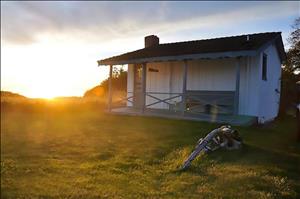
{"x":44,"y":90}
{"x":50,"y":68}
{"x":46,"y":95}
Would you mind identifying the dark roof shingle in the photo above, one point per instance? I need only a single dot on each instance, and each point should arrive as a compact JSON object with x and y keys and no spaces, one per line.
{"x":216,"y":45}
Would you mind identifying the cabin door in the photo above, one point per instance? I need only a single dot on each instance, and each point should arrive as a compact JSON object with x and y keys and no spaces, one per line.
{"x":138,"y":94}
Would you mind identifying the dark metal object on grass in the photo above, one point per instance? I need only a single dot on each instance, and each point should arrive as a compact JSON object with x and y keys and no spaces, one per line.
{"x":221,"y":137}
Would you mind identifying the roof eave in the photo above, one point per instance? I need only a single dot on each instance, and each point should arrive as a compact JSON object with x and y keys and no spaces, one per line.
{"x":218,"y":55}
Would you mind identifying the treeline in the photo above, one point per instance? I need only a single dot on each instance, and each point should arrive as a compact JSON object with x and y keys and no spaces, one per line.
{"x":291,"y":71}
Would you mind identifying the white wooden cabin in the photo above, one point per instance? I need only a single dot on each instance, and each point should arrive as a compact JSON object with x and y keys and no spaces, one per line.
{"x":222,"y":79}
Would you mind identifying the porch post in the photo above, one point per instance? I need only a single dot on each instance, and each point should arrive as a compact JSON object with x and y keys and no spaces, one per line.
{"x":144,"y":74}
{"x":183,"y":107}
{"x":110,"y":88}
{"x":237,"y":87}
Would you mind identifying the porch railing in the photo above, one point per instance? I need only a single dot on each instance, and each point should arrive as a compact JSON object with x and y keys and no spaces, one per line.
{"x":210,"y":102}
{"x":197,"y":102}
{"x":165,"y":100}
{"x":123,"y":101}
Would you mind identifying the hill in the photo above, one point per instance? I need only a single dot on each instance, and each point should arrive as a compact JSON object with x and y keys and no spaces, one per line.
{"x":11,"y":95}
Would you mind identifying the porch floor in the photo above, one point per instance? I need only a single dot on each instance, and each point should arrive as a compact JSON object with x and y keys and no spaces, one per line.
{"x":238,"y":120}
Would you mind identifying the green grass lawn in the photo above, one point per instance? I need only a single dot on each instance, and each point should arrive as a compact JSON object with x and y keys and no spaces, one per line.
{"x":74,"y":150}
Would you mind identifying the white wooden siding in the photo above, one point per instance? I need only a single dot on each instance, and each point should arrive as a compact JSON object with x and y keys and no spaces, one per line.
{"x":268,"y":97}
{"x":158,"y":82}
{"x":249,"y":86}
{"x":211,"y":75}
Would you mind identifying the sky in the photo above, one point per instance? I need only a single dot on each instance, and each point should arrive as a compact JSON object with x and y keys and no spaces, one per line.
{"x":51,"y":48}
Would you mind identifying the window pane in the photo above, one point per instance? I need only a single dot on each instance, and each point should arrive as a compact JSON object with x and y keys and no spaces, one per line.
{"x":264,"y":67}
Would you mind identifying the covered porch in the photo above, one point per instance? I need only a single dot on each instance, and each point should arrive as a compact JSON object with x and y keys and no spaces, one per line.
{"x":191,"y":103}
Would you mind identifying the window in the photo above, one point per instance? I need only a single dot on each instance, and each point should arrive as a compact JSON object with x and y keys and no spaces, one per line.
{"x":264,"y":67}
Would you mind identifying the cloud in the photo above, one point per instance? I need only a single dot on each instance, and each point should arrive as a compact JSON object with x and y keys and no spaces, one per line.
{"x":26,"y":22}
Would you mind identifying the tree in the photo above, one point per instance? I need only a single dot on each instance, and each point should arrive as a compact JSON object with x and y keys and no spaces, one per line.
{"x":293,"y":54}
{"x":119,"y":80}
{"x":97,"y":91}
{"x":291,"y":69}
{"x":119,"y":83}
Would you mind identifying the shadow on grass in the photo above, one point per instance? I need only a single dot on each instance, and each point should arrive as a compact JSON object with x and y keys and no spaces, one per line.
{"x":251,"y":155}
{"x":275,"y":163}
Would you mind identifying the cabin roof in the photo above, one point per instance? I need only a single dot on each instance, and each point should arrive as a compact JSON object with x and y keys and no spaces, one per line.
{"x":234,"y":46}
